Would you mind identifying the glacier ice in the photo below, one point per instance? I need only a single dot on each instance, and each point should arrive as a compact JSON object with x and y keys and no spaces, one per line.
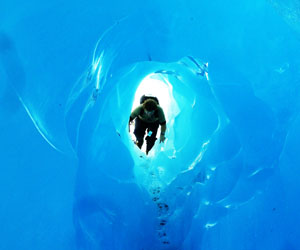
{"x":227,"y":176}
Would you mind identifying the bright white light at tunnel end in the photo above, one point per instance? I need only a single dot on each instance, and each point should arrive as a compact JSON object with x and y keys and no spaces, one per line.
{"x":155,"y":85}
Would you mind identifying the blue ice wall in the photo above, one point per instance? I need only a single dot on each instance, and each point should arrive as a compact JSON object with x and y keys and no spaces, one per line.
{"x":226,"y":177}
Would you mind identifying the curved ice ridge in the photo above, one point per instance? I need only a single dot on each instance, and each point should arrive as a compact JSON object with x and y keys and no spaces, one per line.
{"x":193,"y":185}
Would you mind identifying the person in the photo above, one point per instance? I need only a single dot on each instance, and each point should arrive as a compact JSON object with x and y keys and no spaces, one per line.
{"x":148,"y":116}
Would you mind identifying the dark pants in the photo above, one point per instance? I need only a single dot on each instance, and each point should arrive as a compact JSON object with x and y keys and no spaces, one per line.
{"x":139,"y":132}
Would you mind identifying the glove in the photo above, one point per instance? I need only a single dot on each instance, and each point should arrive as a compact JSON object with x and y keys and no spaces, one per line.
{"x":162,"y":138}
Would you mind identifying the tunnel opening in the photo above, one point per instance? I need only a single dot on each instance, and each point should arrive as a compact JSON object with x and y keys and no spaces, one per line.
{"x":156,"y":85}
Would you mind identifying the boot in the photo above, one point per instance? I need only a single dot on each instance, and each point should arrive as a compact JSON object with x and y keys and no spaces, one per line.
{"x":139,"y":143}
{"x":150,"y":144}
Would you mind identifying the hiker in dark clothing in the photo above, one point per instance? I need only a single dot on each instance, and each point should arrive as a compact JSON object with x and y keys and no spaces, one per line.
{"x":148,"y":116}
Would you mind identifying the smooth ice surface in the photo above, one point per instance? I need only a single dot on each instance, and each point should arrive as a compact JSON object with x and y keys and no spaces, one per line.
{"x":227,"y":176}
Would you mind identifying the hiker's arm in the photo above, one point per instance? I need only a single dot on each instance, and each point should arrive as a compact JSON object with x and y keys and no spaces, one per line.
{"x":163,"y":129}
{"x":134,"y":114}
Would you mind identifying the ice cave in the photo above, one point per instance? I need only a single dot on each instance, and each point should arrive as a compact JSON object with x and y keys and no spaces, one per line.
{"x":227,"y":75}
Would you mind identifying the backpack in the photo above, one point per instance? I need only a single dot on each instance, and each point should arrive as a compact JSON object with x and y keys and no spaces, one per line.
{"x":144,"y":98}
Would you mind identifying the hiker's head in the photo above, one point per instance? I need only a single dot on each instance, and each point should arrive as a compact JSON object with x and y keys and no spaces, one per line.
{"x":150,"y":105}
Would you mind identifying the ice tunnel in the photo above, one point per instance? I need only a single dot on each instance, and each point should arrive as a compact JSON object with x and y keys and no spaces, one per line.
{"x":226,"y":73}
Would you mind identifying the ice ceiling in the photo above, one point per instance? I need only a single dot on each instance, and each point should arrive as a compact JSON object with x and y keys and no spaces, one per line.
{"x":228,"y":78}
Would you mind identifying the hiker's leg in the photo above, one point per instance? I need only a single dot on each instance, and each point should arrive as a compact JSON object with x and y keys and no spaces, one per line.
{"x":153,"y":127}
{"x":139,"y":131}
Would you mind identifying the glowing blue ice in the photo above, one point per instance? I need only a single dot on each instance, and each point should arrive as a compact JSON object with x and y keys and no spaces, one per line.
{"x":227,"y":76}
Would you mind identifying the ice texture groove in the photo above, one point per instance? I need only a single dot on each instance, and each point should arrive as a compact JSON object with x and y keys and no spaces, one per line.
{"x":227,"y":176}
